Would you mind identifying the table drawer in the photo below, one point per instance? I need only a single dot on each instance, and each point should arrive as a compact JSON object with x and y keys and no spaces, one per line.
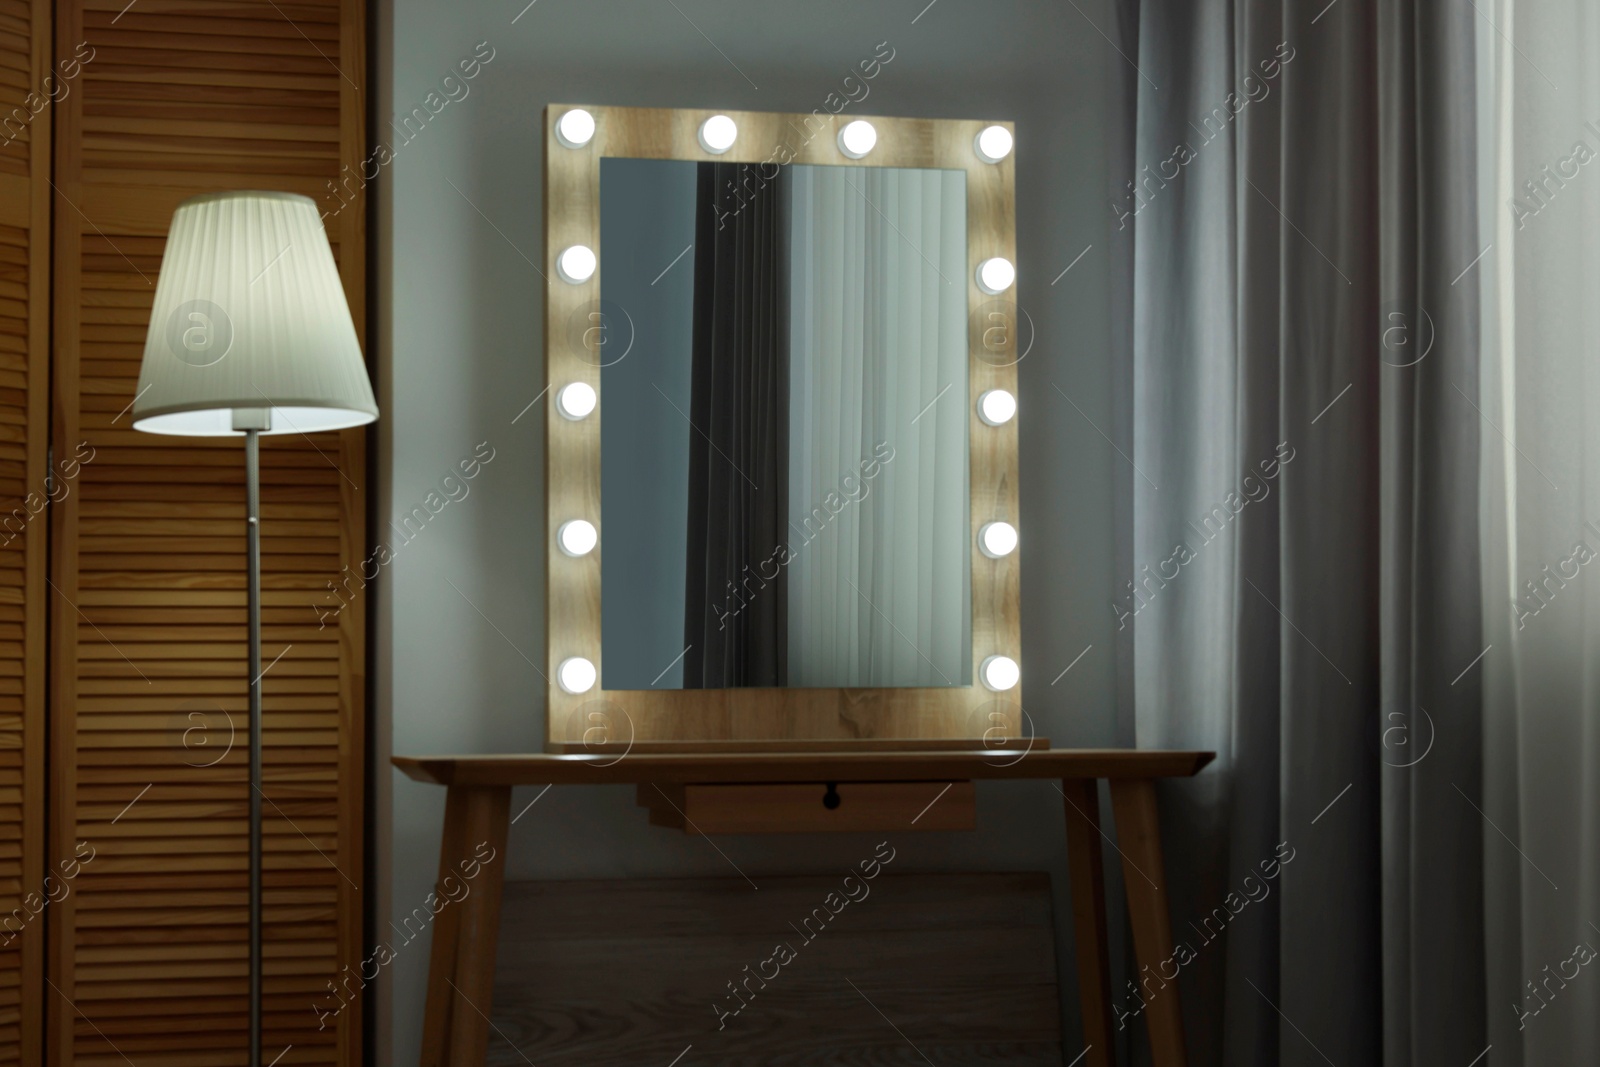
{"x":810,"y":807}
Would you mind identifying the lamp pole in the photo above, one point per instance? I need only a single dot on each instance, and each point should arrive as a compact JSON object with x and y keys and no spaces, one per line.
{"x":252,"y":506}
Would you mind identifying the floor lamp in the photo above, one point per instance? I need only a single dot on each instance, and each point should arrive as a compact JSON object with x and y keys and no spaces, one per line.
{"x":250,"y":334}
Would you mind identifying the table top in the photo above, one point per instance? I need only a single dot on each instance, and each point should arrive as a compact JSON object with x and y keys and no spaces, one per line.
{"x":547,"y":768}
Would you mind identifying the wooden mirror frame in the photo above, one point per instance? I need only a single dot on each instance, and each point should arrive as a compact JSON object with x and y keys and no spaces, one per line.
{"x":771,"y":718}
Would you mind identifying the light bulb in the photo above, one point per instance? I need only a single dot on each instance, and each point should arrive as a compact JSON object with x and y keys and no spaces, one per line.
{"x":575,"y":400}
{"x":997,"y":539}
{"x":999,"y":673}
{"x":718,"y":133}
{"x":576,"y":675}
{"x":857,"y":138}
{"x":576,"y":128}
{"x":578,"y":537}
{"x":997,"y":407}
{"x":576,"y":264}
{"x":996,"y":275}
{"x":993,"y":144}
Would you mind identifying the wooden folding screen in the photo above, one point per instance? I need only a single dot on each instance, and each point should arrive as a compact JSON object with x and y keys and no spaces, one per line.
{"x":25,"y":117}
{"x":148,"y":678}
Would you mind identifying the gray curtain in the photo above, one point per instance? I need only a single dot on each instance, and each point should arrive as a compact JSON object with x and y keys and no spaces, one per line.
{"x":1303,"y":594}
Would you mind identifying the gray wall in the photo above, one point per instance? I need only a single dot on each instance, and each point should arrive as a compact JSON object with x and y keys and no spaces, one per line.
{"x":458,"y":630}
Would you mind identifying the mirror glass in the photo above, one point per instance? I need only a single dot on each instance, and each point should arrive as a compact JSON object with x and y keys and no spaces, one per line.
{"x":784,"y":393}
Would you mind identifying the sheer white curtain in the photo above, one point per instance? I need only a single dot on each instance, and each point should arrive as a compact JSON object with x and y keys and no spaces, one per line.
{"x":879,"y":588}
{"x":1540,"y":523}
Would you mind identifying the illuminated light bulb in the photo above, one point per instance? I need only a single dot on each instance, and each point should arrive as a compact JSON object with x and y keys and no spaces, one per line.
{"x":578,"y":537}
{"x":996,"y":275}
{"x":999,"y":673}
{"x":992,"y":144}
{"x":718,"y":133}
{"x":576,"y":264}
{"x":575,"y":400}
{"x":857,"y":138}
{"x":997,"y":407}
{"x":575,"y":129}
{"x":576,"y":675}
{"x":997,"y":539}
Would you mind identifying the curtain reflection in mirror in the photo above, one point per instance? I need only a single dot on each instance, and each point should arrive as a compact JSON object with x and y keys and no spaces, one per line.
{"x":879,"y":588}
{"x":735,"y":612}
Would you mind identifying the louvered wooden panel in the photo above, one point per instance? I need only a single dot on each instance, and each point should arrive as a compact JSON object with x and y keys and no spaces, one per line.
{"x":25,"y":123}
{"x":21,"y":72}
{"x":149,"y":654}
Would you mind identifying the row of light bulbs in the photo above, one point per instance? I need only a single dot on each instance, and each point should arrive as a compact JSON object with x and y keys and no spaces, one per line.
{"x":857,"y":139}
{"x":576,"y":400}
{"x":577,"y":675}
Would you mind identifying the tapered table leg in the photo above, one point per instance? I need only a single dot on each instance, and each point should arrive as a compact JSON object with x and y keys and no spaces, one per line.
{"x":455,"y":1028}
{"x":1086,"y":869}
{"x":1133,"y":802}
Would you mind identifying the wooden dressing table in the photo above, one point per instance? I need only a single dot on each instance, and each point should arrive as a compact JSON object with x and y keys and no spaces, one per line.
{"x":477,"y":810}
{"x":872,"y":393}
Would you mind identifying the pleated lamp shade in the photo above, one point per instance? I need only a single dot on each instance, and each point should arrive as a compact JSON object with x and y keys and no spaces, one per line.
{"x":250,"y":316}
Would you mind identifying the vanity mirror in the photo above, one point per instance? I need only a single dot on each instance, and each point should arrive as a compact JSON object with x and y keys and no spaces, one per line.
{"x":781,"y":352}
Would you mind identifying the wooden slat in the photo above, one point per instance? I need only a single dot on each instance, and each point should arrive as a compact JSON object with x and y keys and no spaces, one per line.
{"x":25,"y":138}
{"x":148,"y":760}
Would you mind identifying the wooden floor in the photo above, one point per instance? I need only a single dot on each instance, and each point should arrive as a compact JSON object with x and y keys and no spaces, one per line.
{"x":952,"y":968}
